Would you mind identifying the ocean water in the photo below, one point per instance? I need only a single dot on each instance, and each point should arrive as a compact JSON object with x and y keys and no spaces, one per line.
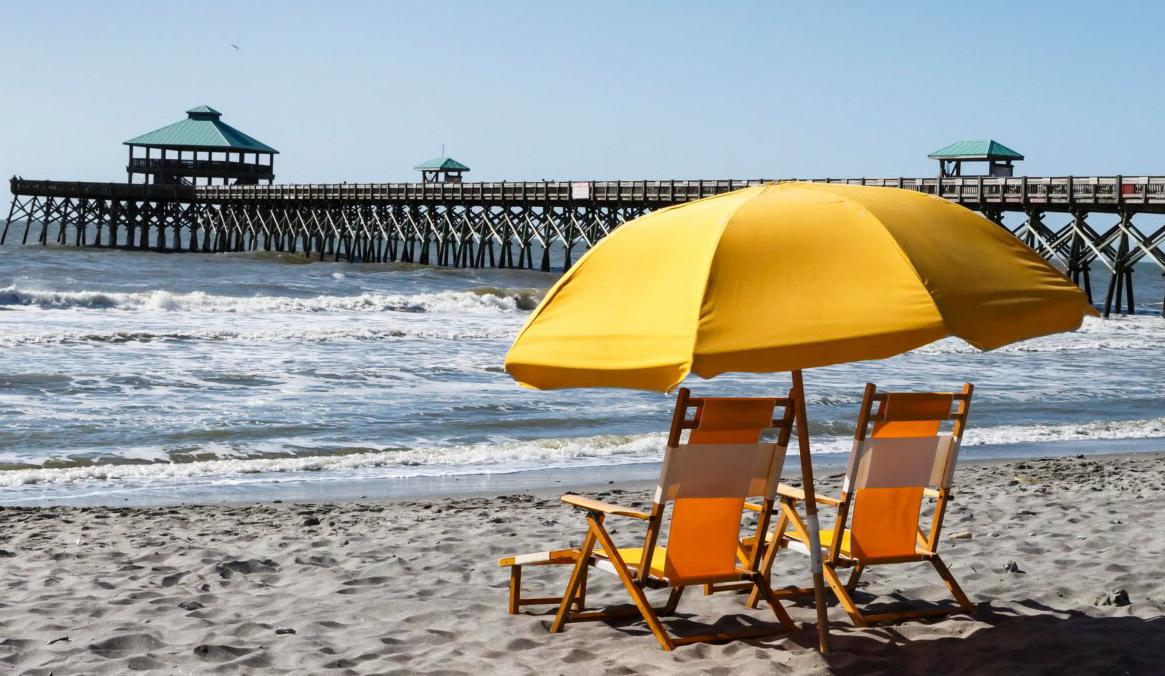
{"x":129,"y":372}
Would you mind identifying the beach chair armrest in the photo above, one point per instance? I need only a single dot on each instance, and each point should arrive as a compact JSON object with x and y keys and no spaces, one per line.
{"x":932,"y":493}
{"x":592,"y":505}
{"x":792,"y":493}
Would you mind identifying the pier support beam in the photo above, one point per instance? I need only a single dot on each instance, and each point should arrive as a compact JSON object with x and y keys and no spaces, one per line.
{"x":1122,"y":274}
{"x":1079,"y":254}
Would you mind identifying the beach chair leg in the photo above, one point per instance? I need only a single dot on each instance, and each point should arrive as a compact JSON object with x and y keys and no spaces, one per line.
{"x":762,"y":587}
{"x":576,"y":576}
{"x":743,"y":553}
{"x":515,"y":589}
{"x":673,"y":601}
{"x":636,"y":592}
{"x":952,"y":585}
{"x":854,"y":576}
{"x":843,"y":595}
{"x":766,"y":566}
{"x":580,"y":598}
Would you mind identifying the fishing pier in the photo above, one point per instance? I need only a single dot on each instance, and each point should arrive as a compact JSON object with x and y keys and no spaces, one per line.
{"x":445,"y":221}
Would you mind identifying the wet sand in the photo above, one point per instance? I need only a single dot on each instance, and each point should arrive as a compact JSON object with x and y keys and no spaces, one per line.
{"x":413,"y":586}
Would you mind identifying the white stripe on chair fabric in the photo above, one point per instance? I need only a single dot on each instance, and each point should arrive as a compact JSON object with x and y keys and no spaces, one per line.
{"x":891,"y":462}
{"x":945,"y":465}
{"x":539,"y":557}
{"x":721,"y":471}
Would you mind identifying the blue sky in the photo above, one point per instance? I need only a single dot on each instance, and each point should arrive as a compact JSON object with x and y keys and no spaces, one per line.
{"x":362,"y":91}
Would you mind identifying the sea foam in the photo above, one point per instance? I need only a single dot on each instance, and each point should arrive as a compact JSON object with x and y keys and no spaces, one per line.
{"x":265,"y":335}
{"x":487,"y":301}
{"x":516,"y":456}
{"x":504,"y":456}
{"x":1115,"y":333}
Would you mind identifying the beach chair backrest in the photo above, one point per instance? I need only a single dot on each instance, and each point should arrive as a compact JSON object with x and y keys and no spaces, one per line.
{"x":904,"y":453}
{"x":707,"y":479}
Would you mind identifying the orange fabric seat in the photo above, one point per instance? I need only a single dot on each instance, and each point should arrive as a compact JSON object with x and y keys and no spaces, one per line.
{"x":826,"y":540}
{"x":633,"y":557}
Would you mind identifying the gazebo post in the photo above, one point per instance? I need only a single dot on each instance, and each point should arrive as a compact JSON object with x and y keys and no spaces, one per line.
{"x":811,"y":524}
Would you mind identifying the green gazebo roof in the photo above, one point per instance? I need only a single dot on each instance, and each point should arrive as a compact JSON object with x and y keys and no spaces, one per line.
{"x":202,"y":129}
{"x":986,"y":149}
{"x":441,"y":164}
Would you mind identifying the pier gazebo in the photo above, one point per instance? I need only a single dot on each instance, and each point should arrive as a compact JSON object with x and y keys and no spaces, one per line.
{"x":441,"y":170}
{"x":998,"y":156}
{"x":200,"y":147}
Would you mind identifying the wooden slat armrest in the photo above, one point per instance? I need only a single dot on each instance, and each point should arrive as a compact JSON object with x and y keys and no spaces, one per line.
{"x":605,"y":507}
{"x":786,"y":491}
{"x":551,"y":557}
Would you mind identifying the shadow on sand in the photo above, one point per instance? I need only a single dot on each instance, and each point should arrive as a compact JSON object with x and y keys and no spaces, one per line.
{"x":1030,"y":638}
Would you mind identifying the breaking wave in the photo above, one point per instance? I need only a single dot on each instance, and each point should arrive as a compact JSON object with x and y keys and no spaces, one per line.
{"x":512,"y":456}
{"x":1116,"y":333}
{"x":1089,"y":431}
{"x":482,"y":300}
{"x":268,"y":335}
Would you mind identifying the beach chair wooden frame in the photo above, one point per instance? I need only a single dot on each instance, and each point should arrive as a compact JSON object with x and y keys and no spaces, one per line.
{"x":709,"y":479}
{"x":905,"y":433}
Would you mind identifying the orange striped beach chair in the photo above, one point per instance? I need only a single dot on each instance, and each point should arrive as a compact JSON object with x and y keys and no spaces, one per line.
{"x":705,"y":480}
{"x":904,"y":457}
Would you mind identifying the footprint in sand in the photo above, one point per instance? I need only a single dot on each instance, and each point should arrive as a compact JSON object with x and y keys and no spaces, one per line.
{"x":219,"y":653}
{"x":521,"y":644}
{"x":120,"y":646}
{"x":226,"y":569}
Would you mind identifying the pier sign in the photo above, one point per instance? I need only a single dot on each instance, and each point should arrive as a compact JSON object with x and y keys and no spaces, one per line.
{"x":580,"y":190}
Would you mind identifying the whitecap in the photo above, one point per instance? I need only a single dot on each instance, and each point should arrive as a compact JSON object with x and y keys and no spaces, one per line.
{"x":460,"y":302}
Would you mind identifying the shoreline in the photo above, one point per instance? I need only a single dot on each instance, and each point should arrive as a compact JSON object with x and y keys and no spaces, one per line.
{"x":314,"y":489}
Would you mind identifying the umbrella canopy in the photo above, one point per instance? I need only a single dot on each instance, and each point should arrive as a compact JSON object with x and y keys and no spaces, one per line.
{"x":787,"y":276}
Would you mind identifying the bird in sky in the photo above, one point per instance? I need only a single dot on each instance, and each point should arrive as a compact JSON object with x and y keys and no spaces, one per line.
{"x":234,"y":45}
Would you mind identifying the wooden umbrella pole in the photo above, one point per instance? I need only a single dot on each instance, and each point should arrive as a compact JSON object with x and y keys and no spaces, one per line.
{"x":811,"y":513}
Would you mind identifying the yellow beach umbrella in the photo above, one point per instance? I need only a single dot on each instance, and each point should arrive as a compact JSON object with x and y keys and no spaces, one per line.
{"x":783,"y":277}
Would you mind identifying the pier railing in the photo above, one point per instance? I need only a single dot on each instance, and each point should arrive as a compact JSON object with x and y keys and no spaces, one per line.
{"x":1107,"y":193}
{"x":90,"y":190}
{"x":1064,"y":191}
{"x":175,"y":167}
{"x":541,"y":192}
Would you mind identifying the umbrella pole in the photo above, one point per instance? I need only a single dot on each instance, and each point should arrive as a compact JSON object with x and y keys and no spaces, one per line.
{"x":811,"y":513}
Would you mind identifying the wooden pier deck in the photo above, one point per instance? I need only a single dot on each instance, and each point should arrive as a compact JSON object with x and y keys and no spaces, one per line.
{"x":519,"y":224}
{"x":1055,"y":194}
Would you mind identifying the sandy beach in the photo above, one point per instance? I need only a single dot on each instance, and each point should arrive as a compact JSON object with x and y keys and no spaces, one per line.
{"x":311,"y":314}
{"x":413,"y":586}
